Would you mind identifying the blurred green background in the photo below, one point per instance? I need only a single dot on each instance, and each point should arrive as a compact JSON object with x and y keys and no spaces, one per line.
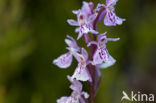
{"x":32,"y":34}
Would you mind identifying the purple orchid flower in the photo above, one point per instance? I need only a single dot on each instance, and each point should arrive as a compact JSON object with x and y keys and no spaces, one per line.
{"x":76,"y":96}
{"x":85,"y":18}
{"x":81,"y":72}
{"x":110,"y":17}
{"x":65,"y":60}
{"x":101,"y":57}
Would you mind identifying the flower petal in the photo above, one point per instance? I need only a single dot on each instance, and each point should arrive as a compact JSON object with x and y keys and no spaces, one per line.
{"x":82,"y":74}
{"x":93,"y":31}
{"x":111,"y":61}
{"x":86,"y":8}
{"x":62,"y":99}
{"x":96,"y":58}
{"x":119,"y":20}
{"x":113,"y":39}
{"x":71,"y":42}
{"x":80,"y":34}
{"x":102,"y":36}
{"x":64,"y":61}
{"x":77,"y":30}
{"x":84,"y":53}
{"x":72,"y":22}
{"x":82,"y":100}
{"x":111,"y":2}
{"x":92,"y":17}
{"x":75,"y":11}
{"x":101,"y":55}
{"x":76,"y":85}
{"x":86,"y":95}
{"x":109,"y":19}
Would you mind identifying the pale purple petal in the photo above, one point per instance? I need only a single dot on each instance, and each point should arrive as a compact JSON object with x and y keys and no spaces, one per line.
{"x":71,"y":42}
{"x":111,"y":2}
{"x":72,"y":100}
{"x":77,"y":29}
{"x":96,"y":58}
{"x":76,"y":85}
{"x":99,"y":5}
{"x":77,"y":56}
{"x":91,"y":5}
{"x":109,"y":19}
{"x":64,"y":61}
{"x":75,"y":11}
{"x":102,"y":36}
{"x":101,"y":55}
{"x":102,"y":40}
{"x":82,"y":74}
{"x":86,"y":95}
{"x":84,"y":53}
{"x":73,"y":22}
{"x":80,"y":34}
{"x":62,"y":99}
{"x":92,"y":43}
{"x":111,"y":61}
{"x":86,"y":8}
{"x":113,"y":39}
{"x":98,"y":71}
{"x":119,"y":20}
{"x":82,"y":100}
{"x":93,"y":31}
{"x":92,"y":17}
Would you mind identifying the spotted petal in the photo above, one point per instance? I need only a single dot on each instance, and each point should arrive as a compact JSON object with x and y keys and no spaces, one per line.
{"x":82,"y":74}
{"x":111,"y":61}
{"x":101,"y":55}
{"x":111,"y":19}
{"x":64,"y":61}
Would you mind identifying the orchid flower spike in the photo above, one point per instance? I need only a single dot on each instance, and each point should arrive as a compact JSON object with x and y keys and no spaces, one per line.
{"x":89,"y":65}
